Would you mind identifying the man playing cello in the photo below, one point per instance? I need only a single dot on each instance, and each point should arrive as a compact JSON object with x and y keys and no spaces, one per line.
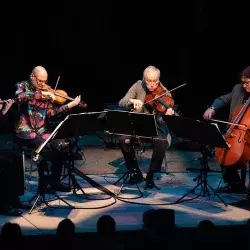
{"x":238,"y":96}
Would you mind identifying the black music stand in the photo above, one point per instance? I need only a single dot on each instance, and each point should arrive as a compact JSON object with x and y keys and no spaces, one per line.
{"x":79,"y":125}
{"x":133,"y":125}
{"x":206,"y":134}
{"x":72,"y":126}
{"x":42,"y":187}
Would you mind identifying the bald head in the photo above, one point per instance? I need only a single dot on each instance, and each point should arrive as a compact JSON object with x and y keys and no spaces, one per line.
{"x":38,"y":76}
{"x":39,"y":70}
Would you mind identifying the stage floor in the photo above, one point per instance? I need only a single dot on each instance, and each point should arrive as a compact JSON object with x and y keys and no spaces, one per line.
{"x":128,"y":212}
{"x":102,"y":167}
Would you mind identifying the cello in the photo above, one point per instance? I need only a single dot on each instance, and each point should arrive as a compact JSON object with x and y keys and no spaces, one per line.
{"x":238,"y":138}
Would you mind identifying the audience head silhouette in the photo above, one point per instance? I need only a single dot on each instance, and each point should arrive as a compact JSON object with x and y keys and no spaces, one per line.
{"x":206,"y":225}
{"x":11,"y":232}
{"x":106,"y":225}
{"x":65,"y":229}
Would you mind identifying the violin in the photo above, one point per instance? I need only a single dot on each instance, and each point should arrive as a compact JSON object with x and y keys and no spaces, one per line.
{"x":159,"y":99}
{"x":61,"y":96}
{"x":161,"y":104}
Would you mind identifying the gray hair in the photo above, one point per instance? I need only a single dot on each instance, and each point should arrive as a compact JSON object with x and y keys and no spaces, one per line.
{"x":151,"y":69}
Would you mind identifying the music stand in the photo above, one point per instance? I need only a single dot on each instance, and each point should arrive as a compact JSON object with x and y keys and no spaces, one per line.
{"x":134,"y":125}
{"x":207,"y":134}
{"x":72,"y":126}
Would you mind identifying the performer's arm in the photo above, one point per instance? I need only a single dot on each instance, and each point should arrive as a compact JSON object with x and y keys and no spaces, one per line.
{"x":23,"y":95}
{"x":131,"y":94}
{"x":217,"y":104}
{"x":52,"y":110}
{"x":221,"y":101}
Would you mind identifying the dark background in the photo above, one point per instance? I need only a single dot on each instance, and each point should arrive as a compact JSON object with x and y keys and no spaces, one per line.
{"x":100,"y":48}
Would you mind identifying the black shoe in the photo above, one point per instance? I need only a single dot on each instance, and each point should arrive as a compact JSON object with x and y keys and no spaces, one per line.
{"x":136,"y":177}
{"x":58,"y":187}
{"x":21,"y":205}
{"x":237,"y":188}
{"x":150,"y":184}
{"x":10,"y":211}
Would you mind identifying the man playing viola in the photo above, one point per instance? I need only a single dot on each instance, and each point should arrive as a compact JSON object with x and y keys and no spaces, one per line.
{"x":35,"y":106}
{"x":238,"y":96}
{"x":136,"y":96}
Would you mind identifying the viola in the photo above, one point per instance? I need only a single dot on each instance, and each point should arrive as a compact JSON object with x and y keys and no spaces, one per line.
{"x":238,"y":137}
{"x":61,"y":96}
{"x":159,"y":100}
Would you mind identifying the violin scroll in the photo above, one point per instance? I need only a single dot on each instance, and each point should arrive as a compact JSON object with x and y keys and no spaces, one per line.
{"x":83,"y":105}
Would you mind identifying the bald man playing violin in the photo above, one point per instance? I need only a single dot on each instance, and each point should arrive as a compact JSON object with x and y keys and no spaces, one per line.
{"x":136,"y":97}
{"x":237,"y":97}
{"x":36,"y":105}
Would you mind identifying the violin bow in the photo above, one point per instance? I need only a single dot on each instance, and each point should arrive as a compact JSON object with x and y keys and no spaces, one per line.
{"x":166,"y":92}
{"x":56,"y":84}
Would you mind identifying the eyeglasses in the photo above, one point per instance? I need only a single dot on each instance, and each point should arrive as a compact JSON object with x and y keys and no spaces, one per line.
{"x":246,"y":83}
{"x":40,"y":81}
{"x":155,"y":81}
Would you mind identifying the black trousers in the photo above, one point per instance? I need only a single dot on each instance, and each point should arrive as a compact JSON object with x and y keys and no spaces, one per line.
{"x":128,"y":144}
{"x":50,"y":154}
{"x":11,"y":177}
{"x":231,"y":176}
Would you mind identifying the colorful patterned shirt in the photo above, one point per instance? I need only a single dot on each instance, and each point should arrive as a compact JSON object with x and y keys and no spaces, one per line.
{"x":33,"y":111}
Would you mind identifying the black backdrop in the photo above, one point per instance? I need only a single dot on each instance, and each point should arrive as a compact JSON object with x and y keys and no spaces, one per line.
{"x":100,"y":48}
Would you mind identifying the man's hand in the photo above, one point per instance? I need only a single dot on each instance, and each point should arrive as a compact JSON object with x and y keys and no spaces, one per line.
{"x":209,"y":113}
{"x":49,"y":94}
{"x":8,"y":104}
{"x":169,"y":111}
{"x":137,"y":103}
{"x":75,"y":102}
